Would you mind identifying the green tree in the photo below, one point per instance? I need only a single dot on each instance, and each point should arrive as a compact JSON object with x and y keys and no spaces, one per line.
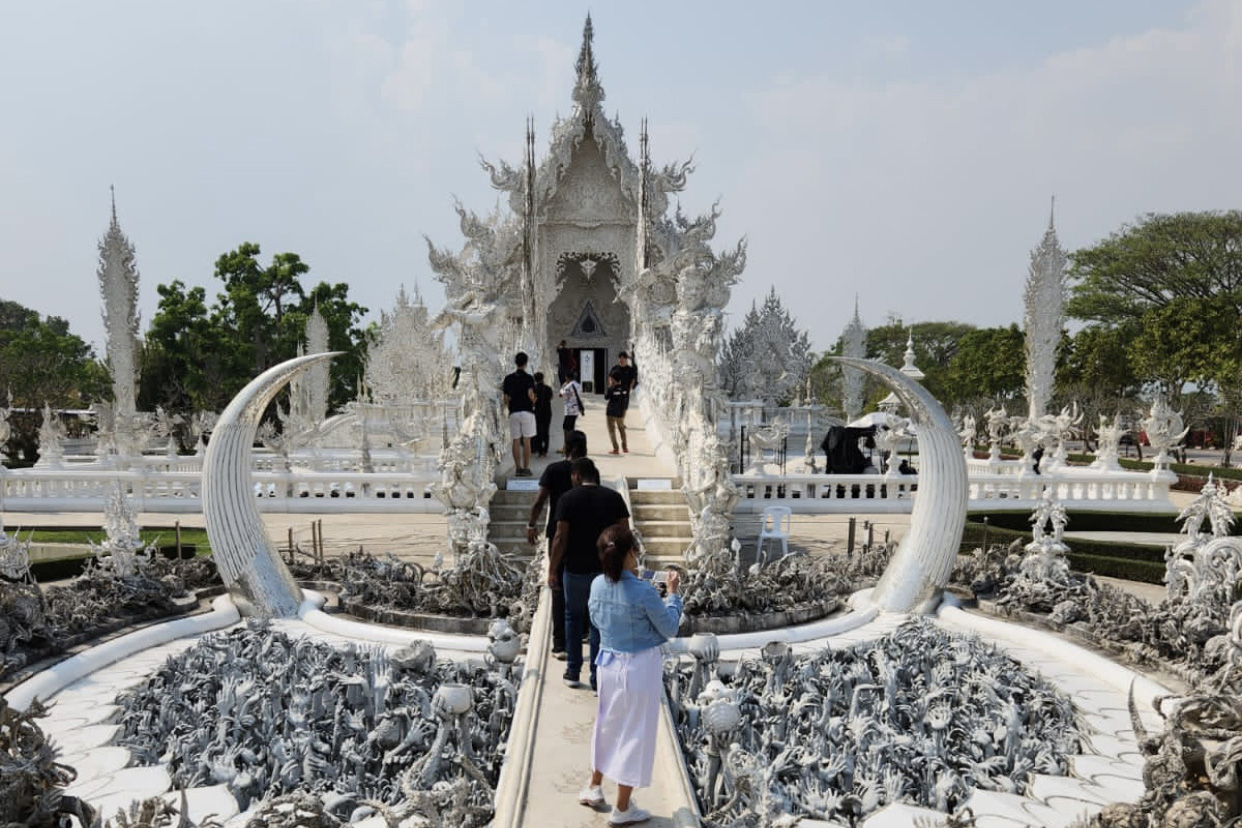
{"x":1157,"y":260}
{"x":1170,"y":286}
{"x":197,"y":357}
{"x":188,"y":361}
{"x":255,"y":301}
{"x":41,"y":362}
{"x":988,"y":367}
{"x":935,"y":345}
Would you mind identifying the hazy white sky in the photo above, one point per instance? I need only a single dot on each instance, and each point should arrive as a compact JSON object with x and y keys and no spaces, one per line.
{"x":901,"y":151}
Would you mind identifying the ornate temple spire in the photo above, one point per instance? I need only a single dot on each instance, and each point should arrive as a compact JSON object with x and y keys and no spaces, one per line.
{"x":587,"y":91}
{"x":908,"y":367}
{"x":118,"y":287}
{"x":1044,"y":304}
{"x":853,"y":344}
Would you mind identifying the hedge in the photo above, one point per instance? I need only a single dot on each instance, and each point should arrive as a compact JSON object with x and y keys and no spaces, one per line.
{"x":1020,"y":520}
{"x":1116,"y":560}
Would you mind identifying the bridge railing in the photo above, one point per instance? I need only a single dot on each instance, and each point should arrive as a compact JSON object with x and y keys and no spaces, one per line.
{"x":56,"y":490}
{"x":862,"y":493}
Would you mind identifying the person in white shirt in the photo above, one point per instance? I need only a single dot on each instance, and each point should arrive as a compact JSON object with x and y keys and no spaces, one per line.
{"x":571,"y":393}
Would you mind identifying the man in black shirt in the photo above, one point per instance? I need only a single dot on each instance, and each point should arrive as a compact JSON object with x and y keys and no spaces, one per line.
{"x":543,"y":416}
{"x":519,"y":396}
{"x":554,"y":482}
{"x":582,"y":514}
{"x":625,"y":373}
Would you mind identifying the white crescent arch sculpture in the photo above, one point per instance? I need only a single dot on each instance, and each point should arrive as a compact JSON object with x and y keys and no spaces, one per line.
{"x":924,"y":559}
{"x":257,"y":578}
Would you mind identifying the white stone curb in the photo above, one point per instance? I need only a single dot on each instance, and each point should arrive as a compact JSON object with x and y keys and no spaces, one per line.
{"x":313,"y":616}
{"x":51,"y":681}
{"x":864,"y":613}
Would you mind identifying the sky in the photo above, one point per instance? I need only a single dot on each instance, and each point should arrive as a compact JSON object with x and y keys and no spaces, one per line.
{"x":903,"y":154}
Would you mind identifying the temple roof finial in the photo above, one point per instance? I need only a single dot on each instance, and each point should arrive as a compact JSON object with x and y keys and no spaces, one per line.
{"x":1052,"y":212}
{"x":587,"y":91}
{"x":112,"y":190}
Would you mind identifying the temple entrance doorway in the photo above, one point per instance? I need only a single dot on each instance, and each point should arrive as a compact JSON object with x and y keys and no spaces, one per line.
{"x":592,"y":369}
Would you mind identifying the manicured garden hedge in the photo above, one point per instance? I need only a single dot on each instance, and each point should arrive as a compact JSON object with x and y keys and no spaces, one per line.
{"x":1020,"y":520}
{"x":1115,"y":560}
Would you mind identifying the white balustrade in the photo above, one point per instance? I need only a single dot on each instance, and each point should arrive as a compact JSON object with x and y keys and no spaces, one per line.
{"x":872,"y":493}
{"x":177,"y":492}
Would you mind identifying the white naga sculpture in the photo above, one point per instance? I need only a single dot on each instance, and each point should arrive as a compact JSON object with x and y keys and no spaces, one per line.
{"x":1207,"y":565}
{"x":1027,"y":434}
{"x":249,"y":565}
{"x":1044,"y":303}
{"x":998,"y":428}
{"x":122,"y":553}
{"x":474,"y":283}
{"x":51,"y":439}
{"x":1165,"y":429}
{"x":924,"y":559}
{"x":1107,"y":452}
{"x":967,"y":434}
{"x":1053,"y":431}
{"x":1045,"y":554}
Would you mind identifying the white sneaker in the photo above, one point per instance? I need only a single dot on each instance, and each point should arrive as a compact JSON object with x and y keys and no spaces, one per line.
{"x":631,"y":816}
{"x":591,"y":796}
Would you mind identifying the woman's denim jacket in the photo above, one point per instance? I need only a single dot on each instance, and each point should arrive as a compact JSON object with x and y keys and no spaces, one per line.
{"x":631,"y":615}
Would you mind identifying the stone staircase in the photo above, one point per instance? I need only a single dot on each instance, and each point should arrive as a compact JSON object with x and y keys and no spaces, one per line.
{"x":509,"y":514}
{"x":664,"y":521}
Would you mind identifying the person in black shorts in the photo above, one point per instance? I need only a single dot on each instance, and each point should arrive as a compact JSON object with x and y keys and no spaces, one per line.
{"x":554,"y":482}
{"x":519,"y":395}
{"x":582,"y":514}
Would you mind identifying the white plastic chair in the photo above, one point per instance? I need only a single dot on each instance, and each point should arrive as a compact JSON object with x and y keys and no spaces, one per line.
{"x":777,"y":521}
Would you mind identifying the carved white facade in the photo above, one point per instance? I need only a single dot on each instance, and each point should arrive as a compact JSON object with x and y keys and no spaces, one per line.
{"x":408,"y":360}
{"x":589,"y":254}
{"x":1044,"y":305}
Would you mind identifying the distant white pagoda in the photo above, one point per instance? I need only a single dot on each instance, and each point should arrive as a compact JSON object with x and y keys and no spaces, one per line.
{"x":854,"y":345}
{"x":892,"y":402}
{"x":1045,"y":304}
{"x":118,"y":285}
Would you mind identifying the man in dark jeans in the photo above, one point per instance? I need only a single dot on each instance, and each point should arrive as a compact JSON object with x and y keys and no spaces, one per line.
{"x":582,"y":514}
{"x":519,"y":396}
{"x":554,"y":482}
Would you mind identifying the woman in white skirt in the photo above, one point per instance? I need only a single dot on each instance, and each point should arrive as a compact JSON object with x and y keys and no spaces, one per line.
{"x":633,"y":621}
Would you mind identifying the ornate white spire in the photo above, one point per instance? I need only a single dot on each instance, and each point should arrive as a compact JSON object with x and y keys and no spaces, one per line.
{"x":854,"y":346}
{"x":1045,"y":301}
{"x":118,"y":286}
{"x":908,"y":367}
{"x":587,"y":90}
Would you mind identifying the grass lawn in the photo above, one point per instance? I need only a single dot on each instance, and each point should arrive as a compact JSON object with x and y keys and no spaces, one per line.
{"x":165,"y":536}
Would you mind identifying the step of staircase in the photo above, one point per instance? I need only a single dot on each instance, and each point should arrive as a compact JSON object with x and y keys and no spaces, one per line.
{"x":663,"y":519}
{"x":509,"y":512}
